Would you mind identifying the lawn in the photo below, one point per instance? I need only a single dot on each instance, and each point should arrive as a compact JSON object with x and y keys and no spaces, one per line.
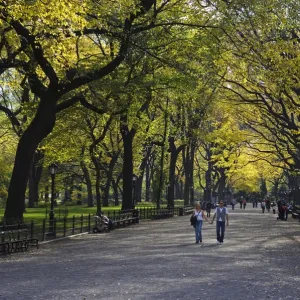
{"x":38,"y":214}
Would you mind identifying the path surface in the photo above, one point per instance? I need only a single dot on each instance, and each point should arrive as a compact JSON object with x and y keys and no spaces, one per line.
{"x":260,"y":259}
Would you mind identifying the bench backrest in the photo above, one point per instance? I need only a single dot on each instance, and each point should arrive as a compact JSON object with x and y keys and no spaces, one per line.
{"x":14,"y":235}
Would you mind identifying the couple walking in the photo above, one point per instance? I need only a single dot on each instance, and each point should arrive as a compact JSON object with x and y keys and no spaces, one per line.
{"x":221,"y":213}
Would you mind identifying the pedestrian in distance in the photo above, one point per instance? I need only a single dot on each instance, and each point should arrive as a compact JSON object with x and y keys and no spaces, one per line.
{"x":208,"y":209}
{"x":253,"y":203}
{"x":273,"y":205}
{"x":244,"y":203}
{"x":279,"y":203}
{"x":263,"y":206}
{"x":268,"y":205}
{"x":241,"y":203}
{"x":233,"y":203}
{"x":221,"y":214}
{"x":198,"y":213}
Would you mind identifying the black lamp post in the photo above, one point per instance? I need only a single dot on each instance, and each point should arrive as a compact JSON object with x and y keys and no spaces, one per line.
{"x":134,"y":180}
{"x":52,"y":171}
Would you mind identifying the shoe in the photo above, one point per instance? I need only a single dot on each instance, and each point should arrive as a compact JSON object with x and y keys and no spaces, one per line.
{"x":197,"y":242}
{"x":219,"y":243}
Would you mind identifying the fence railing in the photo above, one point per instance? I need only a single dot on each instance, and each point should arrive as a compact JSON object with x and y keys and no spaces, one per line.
{"x":65,"y":226}
{"x":60,"y":212}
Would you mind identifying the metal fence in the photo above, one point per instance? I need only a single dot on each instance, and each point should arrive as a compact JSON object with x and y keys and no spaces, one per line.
{"x":66,"y":226}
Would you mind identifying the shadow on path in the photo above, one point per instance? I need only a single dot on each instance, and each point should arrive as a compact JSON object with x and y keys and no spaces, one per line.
{"x":159,"y":260}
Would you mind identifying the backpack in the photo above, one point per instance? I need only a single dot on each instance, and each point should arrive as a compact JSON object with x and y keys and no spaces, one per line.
{"x":193,"y":220}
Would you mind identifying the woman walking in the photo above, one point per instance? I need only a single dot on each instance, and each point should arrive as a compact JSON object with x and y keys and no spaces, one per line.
{"x":199,"y":215}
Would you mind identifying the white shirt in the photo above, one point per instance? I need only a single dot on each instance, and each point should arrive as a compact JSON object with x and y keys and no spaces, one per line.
{"x":221,"y":210}
{"x":198,"y":215}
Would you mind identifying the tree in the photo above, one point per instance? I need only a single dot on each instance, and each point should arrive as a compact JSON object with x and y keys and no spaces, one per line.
{"x":31,"y":43}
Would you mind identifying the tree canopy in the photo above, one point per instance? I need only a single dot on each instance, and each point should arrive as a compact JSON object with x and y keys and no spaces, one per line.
{"x":196,"y":98}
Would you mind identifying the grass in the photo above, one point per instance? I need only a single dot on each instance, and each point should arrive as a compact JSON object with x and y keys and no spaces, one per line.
{"x":38,"y":214}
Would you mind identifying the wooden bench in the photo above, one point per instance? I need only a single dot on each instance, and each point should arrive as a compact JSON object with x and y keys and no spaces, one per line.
{"x":188,"y":210}
{"x":162,"y":214}
{"x":4,"y":245}
{"x":125,"y":219}
{"x":296,"y":215}
{"x":30,"y":241}
{"x":15,"y":240}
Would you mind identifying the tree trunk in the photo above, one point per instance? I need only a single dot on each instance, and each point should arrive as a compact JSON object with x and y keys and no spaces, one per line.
{"x":138,"y":188}
{"x":139,"y":183}
{"x":128,"y":137}
{"x":35,"y":175}
{"x":88,"y":182}
{"x":177,"y":189}
{"x":66,"y":192}
{"x":39,"y":128}
{"x":221,"y":188}
{"x":97,"y":184}
{"x":174,"y":155}
{"x":186,"y":163}
{"x":208,"y":173}
{"x":191,"y":171}
{"x":148,"y":183}
{"x":109,"y":176}
{"x":162,"y":158}
{"x":116,"y":194}
{"x":105,"y":198}
{"x":46,"y":193}
{"x":33,"y":192}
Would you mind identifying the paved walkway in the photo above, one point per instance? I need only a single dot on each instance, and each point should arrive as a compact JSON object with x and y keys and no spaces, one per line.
{"x":260,"y":259}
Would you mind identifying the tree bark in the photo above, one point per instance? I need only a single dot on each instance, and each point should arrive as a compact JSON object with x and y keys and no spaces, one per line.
{"x":142,"y":168}
{"x":221,"y":185}
{"x":208,"y":174}
{"x":148,"y":183}
{"x":127,"y":136}
{"x":98,"y":182}
{"x":40,"y":127}
{"x":116,"y":194}
{"x":88,"y":182}
{"x":35,"y":175}
{"x":174,"y":155}
{"x":186,"y":163}
{"x":191,"y":170}
{"x":109,"y":175}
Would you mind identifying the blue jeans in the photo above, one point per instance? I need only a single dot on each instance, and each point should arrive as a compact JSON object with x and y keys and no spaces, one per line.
{"x":198,"y":231}
{"x":220,"y":231}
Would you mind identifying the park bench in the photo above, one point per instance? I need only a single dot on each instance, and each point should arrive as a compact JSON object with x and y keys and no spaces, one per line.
{"x":4,"y":245}
{"x":188,"y":210}
{"x":16,"y":243}
{"x":15,"y":240}
{"x":162,"y":214}
{"x":296,"y":214}
{"x":125,"y":218}
{"x":22,"y":234}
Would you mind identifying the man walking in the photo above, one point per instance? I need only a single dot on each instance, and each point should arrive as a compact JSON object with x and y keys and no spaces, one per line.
{"x":222,"y":214}
{"x":233,"y":203}
{"x":208,"y":209}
